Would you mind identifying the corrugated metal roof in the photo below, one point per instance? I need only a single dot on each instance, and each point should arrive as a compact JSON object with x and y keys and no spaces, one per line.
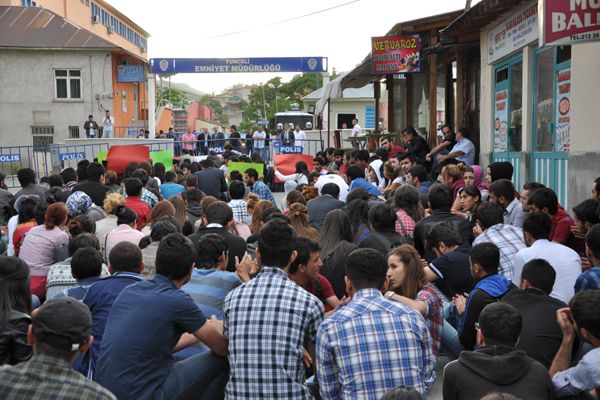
{"x":36,"y":27}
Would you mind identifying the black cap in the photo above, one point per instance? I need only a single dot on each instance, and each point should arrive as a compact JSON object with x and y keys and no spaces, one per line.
{"x":64,"y":324}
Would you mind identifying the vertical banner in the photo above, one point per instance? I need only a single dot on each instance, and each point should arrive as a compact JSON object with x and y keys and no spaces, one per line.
{"x":563,"y":110}
{"x":369,"y":116}
{"x":501,"y":121}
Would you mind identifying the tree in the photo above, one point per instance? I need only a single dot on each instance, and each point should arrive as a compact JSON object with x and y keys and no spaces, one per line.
{"x":220,"y":112}
{"x":171,"y":96}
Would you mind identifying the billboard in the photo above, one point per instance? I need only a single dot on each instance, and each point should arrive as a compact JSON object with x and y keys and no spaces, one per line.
{"x":516,"y":31}
{"x":395,"y":54}
{"x":130,"y":73}
{"x":568,"y":22}
{"x":234,"y":65}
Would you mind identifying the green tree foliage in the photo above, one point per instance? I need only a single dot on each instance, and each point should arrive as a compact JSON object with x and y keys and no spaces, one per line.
{"x":220,"y":111}
{"x":274,"y":95}
{"x":172,"y":96}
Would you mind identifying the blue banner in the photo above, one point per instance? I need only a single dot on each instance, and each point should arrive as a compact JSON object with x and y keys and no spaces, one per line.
{"x":233,"y":65}
{"x":71,"y":156}
{"x":370,"y":116}
{"x":130,"y":73}
{"x":10,"y":158}
{"x":290,"y":149}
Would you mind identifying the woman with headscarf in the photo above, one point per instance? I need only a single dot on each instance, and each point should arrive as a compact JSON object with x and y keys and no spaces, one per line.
{"x":473,"y":176}
{"x":80,"y":203}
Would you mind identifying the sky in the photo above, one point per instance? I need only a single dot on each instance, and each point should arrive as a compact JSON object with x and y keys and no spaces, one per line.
{"x":203,"y":29}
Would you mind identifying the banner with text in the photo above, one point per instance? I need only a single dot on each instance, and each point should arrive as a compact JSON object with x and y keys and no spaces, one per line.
{"x":395,"y":54}
{"x":563,"y":110}
{"x":501,"y":121}
{"x":513,"y":33}
{"x":568,"y":22}
{"x":232,"y":65}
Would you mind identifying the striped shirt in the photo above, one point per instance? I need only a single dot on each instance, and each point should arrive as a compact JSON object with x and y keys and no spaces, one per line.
{"x":509,"y":240}
{"x":209,"y":287}
{"x":366,"y":340}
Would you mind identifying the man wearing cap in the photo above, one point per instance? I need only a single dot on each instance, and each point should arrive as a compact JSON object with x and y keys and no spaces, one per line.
{"x":60,"y":331}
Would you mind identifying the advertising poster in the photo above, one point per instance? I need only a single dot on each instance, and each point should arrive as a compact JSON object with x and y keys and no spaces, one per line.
{"x":501,"y":121}
{"x":568,"y":22}
{"x":563,"y":110}
{"x":395,"y":54}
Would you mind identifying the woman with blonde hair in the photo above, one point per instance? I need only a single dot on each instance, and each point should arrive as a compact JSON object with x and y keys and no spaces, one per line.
{"x":309,"y":193}
{"x":40,"y":244}
{"x":112,"y":201}
{"x":257,"y":214}
{"x":391,"y":175}
{"x":452,"y":175}
{"x":251,"y":202}
{"x":299,"y":216}
{"x":180,"y":215}
{"x":407,"y":285}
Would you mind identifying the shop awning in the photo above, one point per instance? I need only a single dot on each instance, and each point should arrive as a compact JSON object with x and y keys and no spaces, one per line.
{"x":477,"y":17}
{"x":361,"y":74}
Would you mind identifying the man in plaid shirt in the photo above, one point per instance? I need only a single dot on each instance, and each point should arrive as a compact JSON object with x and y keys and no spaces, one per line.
{"x":508,"y":238}
{"x":268,"y":321}
{"x":237,"y":203}
{"x":262,"y":191}
{"x":372,"y":345}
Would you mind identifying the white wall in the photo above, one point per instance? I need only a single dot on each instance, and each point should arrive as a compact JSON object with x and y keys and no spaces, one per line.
{"x":27,"y":92}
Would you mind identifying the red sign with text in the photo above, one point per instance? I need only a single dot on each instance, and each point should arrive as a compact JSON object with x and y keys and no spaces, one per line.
{"x":395,"y":54}
{"x":569,"y":22}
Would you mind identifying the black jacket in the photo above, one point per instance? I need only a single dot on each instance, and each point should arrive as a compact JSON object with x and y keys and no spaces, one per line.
{"x":13,"y":339}
{"x":540,"y":335}
{"x":91,"y":124}
{"x":212,"y":182}
{"x":235,"y":244}
{"x":319,"y":207}
{"x":95,"y":190}
{"x":418,"y":147}
{"x":382,"y":242}
{"x":496,"y":369}
{"x":460,"y":224}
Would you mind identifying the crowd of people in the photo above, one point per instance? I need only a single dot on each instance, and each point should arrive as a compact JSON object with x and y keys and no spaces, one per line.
{"x":195,"y":283}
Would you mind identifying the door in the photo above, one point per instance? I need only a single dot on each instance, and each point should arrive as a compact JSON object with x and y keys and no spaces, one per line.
{"x":551,"y":123}
{"x":508,"y":107}
{"x":136,"y":104}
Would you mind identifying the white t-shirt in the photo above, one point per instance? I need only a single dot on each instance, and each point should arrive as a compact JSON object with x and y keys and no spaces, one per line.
{"x":338,"y":180}
{"x":356,"y":130}
{"x":109,"y":123}
{"x":299,"y":136}
{"x":259,"y":144}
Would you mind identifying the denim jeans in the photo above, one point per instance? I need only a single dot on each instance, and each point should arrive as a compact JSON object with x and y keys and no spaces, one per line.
{"x":450,"y":338}
{"x":202,"y":376}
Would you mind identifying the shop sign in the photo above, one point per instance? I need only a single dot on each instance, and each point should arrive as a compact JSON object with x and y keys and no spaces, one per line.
{"x":130,"y":73}
{"x":513,"y":33}
{"x":564,"y":22}
{"x":395,"y":54}
{"x":501,"y":121}
{"x":563,"y":110}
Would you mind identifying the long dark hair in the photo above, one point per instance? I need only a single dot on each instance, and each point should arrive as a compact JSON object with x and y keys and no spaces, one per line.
{"x":14,"y":288}
{"x":336,"y":228}
{"x":302,"y":168}
{"x":406,"y":198}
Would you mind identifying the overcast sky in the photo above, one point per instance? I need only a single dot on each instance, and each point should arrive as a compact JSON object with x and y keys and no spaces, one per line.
{"x":199,"y":29}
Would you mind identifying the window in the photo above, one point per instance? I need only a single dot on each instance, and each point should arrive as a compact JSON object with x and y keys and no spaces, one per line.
{"x":95,"y":9}
{"x":67,"y":84}
{"x":73,"y":132}
{"x":28,"y":3}
{"x":130,"y":34}
{"x":114,"y":23}
{"x":105,"y":17}
{"x":43,"y":136}
{"x":122,"y":29}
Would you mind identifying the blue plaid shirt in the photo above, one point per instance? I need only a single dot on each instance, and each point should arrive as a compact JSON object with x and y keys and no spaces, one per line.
{"x":371,"y":346}
{"x":589,"y":280}
{"x":263,"y":192}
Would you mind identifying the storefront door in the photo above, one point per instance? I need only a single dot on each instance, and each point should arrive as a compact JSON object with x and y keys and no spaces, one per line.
{"x":508,"y":108}
{"x":551,"y":123}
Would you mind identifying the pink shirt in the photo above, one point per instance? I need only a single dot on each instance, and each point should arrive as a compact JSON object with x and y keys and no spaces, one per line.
{"x":409,"y":223}
{"x":188,"y":141}
{"x":122,"y":233}
{"x":39,"y":247}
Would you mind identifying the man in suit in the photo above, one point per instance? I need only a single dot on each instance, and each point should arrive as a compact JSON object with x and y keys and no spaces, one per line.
{"x":319,"y":207}
{"x":218,"y":138}
{"x":217,"y":219}
{"x":201,"y":142}
{"x":211,"y":180}
{"x":287,"y":136}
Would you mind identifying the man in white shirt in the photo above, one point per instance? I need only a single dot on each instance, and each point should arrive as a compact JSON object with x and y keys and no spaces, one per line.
{"x":355,"y":132}
{"x":108,"y":123}
{"x":299,"y":136}
{"x":463,"y":150}
{"x":566,"y":262}
{"x":259,"y":137}
{"x":338,"y":180}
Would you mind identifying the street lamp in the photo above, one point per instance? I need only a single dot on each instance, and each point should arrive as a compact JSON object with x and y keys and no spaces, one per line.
{"x":272,"y":86}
